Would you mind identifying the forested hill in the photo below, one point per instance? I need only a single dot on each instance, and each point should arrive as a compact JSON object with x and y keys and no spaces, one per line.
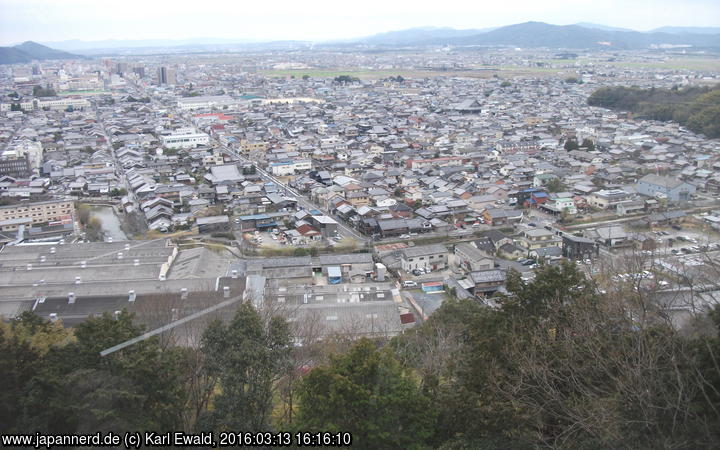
{"x":557,"y":364}
{"x":697,"y":108}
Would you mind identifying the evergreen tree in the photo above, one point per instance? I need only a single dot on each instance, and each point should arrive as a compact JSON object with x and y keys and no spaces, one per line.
{"x":366,"y":392}
{"x":248,"y":356}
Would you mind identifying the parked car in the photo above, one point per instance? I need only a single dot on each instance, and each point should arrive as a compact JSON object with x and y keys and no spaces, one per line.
{"x":409,"y":283}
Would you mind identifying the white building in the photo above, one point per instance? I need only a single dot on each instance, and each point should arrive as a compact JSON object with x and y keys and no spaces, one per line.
{"x":205,"y":102}
{"x":33,"y":149}
{"x":185,"y":140}
{"x":63,"y":103}
{"x":290,"y":167}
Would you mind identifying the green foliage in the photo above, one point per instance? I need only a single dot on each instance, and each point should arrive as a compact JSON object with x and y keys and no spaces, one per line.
{"x":346,"y":79}
{"x":75,"y":390}
{"x":248,"y":355}
{"x":560,"y":366}
{"x":224,"y":235}
{"x":43,"y":92}
{"x":300,"y":251}
{"x":15,"y":107}
{"x":705,"y":114}
{"x":571,"y":144}
{"x":83,"y":210}
{"x":554,"y":185}
{"x":505,"y":84}
{"x":696,"y":107}
{"x":366,"y":392}
{"x":93,"y":229}
{"x":588,"y":144}
{"x":132,"y":99}
{"x":115,"y":192}
{"x":573,"y":80}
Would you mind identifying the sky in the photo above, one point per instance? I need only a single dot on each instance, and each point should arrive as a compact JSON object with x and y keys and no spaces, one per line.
{"x":318,"y":20}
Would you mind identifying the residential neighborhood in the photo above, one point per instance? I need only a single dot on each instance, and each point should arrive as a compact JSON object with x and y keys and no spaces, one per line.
{"x":453,"y":180}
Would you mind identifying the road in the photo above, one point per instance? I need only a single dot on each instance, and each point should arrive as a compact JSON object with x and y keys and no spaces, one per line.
{"x":119,"y":169}
{"x":301,"y":200}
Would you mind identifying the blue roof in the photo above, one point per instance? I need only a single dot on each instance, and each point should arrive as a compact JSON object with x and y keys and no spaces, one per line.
{"x":254,"y":217}
{"x":540,"y":194}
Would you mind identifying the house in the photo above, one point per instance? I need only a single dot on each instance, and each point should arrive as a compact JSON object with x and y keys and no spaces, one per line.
{"x":546,"y":253}
{"x":610,"y":236}
{"x":537,"y":238}
{"x":511,"y":251}
{"x":579,"y":248}
{"x":213,"y":224}
{"x":471,"y":259}
{"x":392,"y":227}
{"x":498,"y":216}
{"x":492,"y":240}
{"x":672,"y":189}
{"x":428,"y":257}
{"x":608,"y":198}
{"x":536,"y":199}
{"x":665,"y":218}
{"x":630,"y":207}
{"x":487,"y":282}
{"x":559,"y":205}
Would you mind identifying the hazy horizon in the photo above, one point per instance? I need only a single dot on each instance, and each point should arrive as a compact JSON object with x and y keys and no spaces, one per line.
{"x":319,"y":20}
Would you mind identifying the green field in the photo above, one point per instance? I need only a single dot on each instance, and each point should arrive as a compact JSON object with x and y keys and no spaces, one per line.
{"x":83,"y":92}
{"x":709,"y":64}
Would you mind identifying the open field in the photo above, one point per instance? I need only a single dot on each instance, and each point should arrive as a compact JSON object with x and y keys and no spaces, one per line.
{"x":710,"y":64}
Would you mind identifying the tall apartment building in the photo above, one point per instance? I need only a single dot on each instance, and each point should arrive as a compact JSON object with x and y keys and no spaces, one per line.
{"x":166,"y":75}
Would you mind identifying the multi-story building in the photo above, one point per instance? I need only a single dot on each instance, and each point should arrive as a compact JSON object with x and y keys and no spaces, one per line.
{"x":33,"y":150}
{"x":559,"y":205}
{"x":37,"y":212}
{"x":282,"y":168}
{"x":432,"y":257}
{"x":665,"y":187}
{"x":536,"y":238}
{"x":608,"y":198}
{"x":185,"y":140}
{"x":205,"y":102}
{"x":15,"y":165}
{"x":166,"y":75}
{"x":472,"y":259}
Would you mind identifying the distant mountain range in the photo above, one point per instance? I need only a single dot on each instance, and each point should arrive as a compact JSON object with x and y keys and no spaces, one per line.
{"x":528,"y":35}
{"x":32,"y":51}
{"x":539,"y":34}
{"x":688,"y":30}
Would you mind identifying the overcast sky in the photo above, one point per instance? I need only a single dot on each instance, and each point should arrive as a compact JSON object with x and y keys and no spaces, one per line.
{"x":57,"y":20}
